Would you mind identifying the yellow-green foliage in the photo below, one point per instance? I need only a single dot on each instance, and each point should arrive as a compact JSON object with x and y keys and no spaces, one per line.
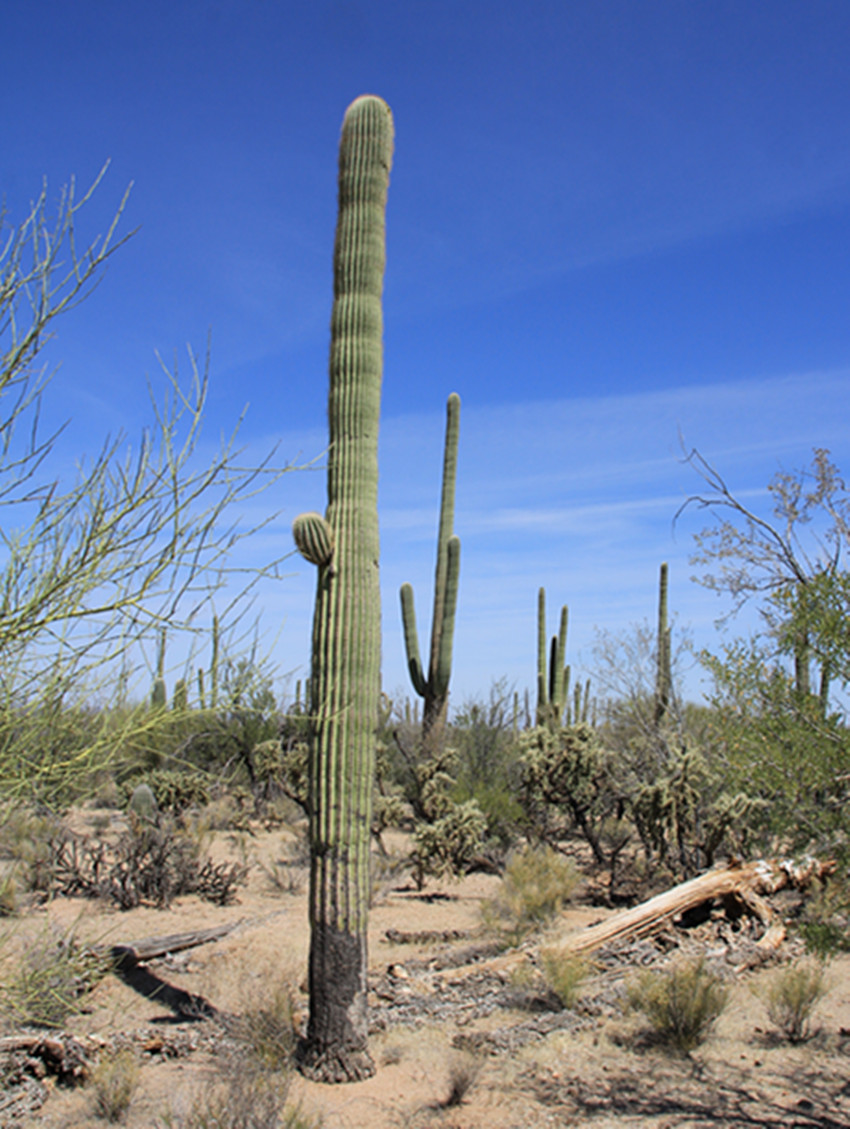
{"x":564,"y":974}
{"x":45,"y":986}
{"x":681,"y":1004}
{"x":537,"y":883}
{"x":792,"y":995}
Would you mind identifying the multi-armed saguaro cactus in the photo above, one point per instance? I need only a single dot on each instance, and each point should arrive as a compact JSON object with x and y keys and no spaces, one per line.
{"x":551,"y":688}
{"x":663,"y":676}
{"x":345,"y":674}
{"x":434,"y":689}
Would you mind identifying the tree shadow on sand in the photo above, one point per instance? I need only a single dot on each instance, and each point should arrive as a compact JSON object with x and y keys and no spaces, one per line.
{"x":811,"y":1099}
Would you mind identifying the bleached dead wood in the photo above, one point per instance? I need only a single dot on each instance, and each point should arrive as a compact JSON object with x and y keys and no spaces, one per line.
{"x":746,"y":882}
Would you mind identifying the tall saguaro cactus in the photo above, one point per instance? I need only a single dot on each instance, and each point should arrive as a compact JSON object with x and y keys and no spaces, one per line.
{"x":434,"y":690}
{"x":551,"y":687}
{"x":344,"y":684}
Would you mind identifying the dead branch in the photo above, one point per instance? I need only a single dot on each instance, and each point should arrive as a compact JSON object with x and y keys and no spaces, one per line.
{"x":749,"y":883}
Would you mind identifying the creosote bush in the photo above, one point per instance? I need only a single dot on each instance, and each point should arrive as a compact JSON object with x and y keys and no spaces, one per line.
{"x":537,"y":883}
{"x":792,"y":995}
{"x":681,"y":1003}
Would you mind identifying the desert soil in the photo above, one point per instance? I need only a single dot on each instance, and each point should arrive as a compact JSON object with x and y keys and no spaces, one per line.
{"x":532,"y":1064}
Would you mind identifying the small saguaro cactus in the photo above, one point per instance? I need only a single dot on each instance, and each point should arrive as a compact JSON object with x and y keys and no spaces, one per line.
{"x":663,"y":676}
{"x":345,"y":677}
{"x":158,"y":691}
{"x":551,"y":686}
{"x":434,"y":690}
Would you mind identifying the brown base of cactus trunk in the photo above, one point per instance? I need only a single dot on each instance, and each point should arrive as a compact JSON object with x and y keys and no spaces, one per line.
{"x":335,"y":1048}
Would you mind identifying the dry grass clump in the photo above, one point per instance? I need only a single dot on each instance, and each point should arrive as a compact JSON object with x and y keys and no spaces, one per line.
{"x":564,"y":974}
{"x":681,"y":1004}
{"x":792,"y":995}
{"x":114,"y":1082}
{"x":249,"y":1086}
{"x":47,"y":980}
{"x":537,"y":883}
{"x":241,"y":1095}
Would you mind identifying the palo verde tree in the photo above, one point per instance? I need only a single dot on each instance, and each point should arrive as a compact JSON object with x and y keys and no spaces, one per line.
{"x":346,"y":653}
{"x":782,"y":736}
{"x":792,"y":562}
{"x":93,"y":565}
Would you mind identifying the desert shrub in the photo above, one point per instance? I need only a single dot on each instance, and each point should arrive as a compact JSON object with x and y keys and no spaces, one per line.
{"x":568,"y":771}
{"x":463,"y":1074}
{"x":150,"y":865}
{"x":114,"y":1082}
{"x":792,"y":995}
{"x":250,"y":1086}
{"x":28,"y":839}
{"x":9,"y":892}
{"x":241,"y":1096}
{"x":681,"y":1003}
{"x":564,"y":974}
{"x":537,"y":883}
{"x":46,"y":984}
{"x":825,"y":922}
{"x":265,"y":1031}
{"x":174,"y":790}
{"x":682,"y":814}
{"x":446,"y":847}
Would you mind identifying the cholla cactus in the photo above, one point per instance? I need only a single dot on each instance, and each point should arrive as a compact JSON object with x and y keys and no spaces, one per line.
{"x":344,"y":683}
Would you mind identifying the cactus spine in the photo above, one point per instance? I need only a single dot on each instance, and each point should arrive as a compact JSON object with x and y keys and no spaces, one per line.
{"x":551,"y":685}
{"x":434,"y":690}
{"x":344,"y":682}
{"x":663,"y":676}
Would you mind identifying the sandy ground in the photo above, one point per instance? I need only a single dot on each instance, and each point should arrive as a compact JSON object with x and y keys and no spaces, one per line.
{"x":531,"y":1066}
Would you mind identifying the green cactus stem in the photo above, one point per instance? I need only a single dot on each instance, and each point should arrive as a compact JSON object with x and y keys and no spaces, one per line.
{"x":214,"y":663}
{"x":314,"y":538}
{"x":344,"y":685}
{"x":663,"y":676}
{"x":180,"y":700}
{"x":159,"y":695}
{"x":434,"y":690}
{"x":551,"y":685}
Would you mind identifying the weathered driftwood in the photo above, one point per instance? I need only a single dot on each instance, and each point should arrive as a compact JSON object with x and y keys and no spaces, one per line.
{"x":151,"y":947}
{"x":745,"y":882}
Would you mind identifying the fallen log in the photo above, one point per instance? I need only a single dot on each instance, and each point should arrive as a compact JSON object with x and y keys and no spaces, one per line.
{"x":151,"y":947}
{"x":745,"y":882}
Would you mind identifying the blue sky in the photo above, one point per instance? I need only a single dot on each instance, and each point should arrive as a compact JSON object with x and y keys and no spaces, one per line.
{"x":609,"y":221}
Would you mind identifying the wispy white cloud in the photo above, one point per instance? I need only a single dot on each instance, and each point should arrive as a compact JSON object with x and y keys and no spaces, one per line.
{"x":576,"y":495}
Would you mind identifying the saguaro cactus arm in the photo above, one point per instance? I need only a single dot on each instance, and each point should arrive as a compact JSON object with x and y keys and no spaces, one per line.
{"x":411,"y":641}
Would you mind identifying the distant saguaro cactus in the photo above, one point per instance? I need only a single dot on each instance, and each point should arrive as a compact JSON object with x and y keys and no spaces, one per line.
{"x":663,"y":676}
{"x":344,"y":683}
{"x":159,"y":695}
{"x":434,"y":689}
{"x":551,"y":686}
